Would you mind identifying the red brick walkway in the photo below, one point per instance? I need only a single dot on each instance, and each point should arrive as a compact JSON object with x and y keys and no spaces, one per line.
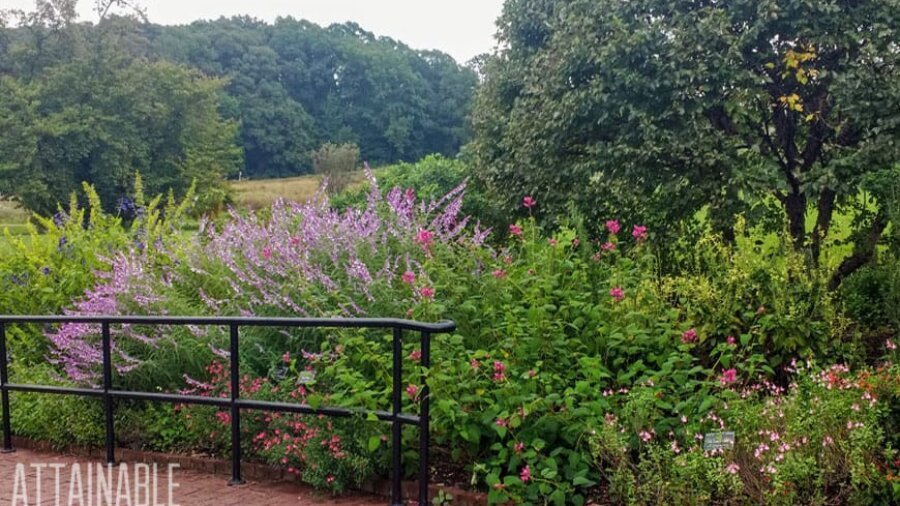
{"x":193,"y":488}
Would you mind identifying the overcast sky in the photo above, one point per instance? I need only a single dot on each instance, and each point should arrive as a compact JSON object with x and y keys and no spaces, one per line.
{"x":462,"y":28}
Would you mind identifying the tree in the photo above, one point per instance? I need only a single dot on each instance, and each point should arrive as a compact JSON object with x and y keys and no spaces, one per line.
{"x":658,"y":108}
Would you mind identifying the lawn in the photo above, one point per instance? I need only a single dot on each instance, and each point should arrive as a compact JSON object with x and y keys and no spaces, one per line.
{"x":261,"y":193}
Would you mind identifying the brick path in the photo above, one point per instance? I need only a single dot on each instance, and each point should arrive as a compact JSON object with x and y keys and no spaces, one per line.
{"x":193,"y":488}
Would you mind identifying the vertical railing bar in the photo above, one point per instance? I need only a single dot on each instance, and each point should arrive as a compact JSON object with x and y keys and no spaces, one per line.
{"x":107,"y":398}
{"x":235,"y":410}
{"x":396,"y":425}
{"x":4,"y":393}
{"x":424,"y":422}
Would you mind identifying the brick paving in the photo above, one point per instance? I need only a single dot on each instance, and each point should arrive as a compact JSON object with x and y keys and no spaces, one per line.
{"x":193,"y":488}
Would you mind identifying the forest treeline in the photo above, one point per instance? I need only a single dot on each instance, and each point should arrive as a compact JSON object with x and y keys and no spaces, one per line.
{"x":88,"y":101}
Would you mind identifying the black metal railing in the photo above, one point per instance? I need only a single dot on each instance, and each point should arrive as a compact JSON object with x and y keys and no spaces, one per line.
{"x":108,"y":394}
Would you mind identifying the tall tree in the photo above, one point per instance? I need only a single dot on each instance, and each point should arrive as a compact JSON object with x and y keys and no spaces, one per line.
{"x":661,"y":107}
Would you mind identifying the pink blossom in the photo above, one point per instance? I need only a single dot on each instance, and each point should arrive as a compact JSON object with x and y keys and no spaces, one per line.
{"x":412,"y":391}
{"x":525,"y":475}
{"x":425,"y":238}
{"x":617,"y":294}
{"x":732,"y":468}
{"x":731,"y":341}
{"x":645,"y":436}
{"x":639,"y":232}
{"x":728,"y":376}
{"x":426,"y":292}
{"x":515,"y":230}
{"x":499,"y":273}
{"x":474,"y":364}
{"x":520,"y":447}
{"x":613,"y":226}
{"x":689,"y":336}
{"x":502,"y":422}
{"x":267,"y":253}
{"x":499,"y":371}
{"x":415,"y":355}
{"x":409,"y":277}
{"x":286,"y":358}
{"x":890,"y":344}
{"x":528,"y":202}
{"x":608,"y":246}
{"x":552,"y":242}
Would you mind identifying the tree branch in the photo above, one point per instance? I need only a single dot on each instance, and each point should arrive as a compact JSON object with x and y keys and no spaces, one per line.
{"x":863,"y":254}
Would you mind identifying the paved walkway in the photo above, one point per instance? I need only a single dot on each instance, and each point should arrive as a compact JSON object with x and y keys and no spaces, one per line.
{"x":133,"y":485}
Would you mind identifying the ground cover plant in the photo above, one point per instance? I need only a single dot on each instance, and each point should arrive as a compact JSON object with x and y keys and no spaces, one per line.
{"x":579,"y":371}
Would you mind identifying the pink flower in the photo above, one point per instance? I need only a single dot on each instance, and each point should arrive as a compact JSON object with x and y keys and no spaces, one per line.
{"x":608,"y":246}
{"x":515,"y":230}
{"x":639,"y":232}
{"x":890,"y":344}
{"x":552,"y":242}
{"x":267,"y":253}
{"x":613,"y":226}
{"x":415,"y":355}
{"x":499,"y":371}
{"x":645,"y":436}
{"x":732,"y":468}
{"x":525,"y":475}
{"x":502,"y":422}
{"x":731,"y":341}
{"x":425,"y":238}
{"x":617,"y":294}
{"x":689,"y":336}
{"x":412,"y":391}
{"x":286,"y":358}
{"x":520,"y":447}
{"x":409,"y":277}
{"x":499,"y":273}
{"x":426,"y":292}
{"x":474,"y":364}
{"x":728,"y":376}
{"x":528,"y":202}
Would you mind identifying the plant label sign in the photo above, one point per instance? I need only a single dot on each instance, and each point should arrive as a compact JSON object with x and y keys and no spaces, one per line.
{"x":718,"y":441}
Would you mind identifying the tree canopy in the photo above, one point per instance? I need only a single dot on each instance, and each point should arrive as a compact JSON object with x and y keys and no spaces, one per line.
{"x":658,"y":108}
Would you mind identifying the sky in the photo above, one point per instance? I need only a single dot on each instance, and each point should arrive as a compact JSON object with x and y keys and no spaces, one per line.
{"x":462,"y":28}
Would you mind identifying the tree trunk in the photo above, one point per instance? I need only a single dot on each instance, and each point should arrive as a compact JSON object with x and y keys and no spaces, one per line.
{"x":863,"y":253}
{"x":823,"y":222}
{"x":795,"y":207}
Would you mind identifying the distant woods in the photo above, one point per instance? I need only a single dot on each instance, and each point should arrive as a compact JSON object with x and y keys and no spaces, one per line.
{"x":97,"y":101}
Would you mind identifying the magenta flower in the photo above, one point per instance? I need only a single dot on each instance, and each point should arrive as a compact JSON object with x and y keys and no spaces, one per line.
{"x":525,"y":475}
{"x":412,"y":391}
{"x":520,"y":447}
{"x":267,"y":253}
{"x":731,"y":341}
{"x":499,"y":273}
{"x":502,"y":422}
{"x":515,"y":230}
{"x":608,"y":246}
{"x":613,"y":226}
{"x":409,"y":277}
{"x":415,"y":355}
{"x":528,"y":202}
{"x":617,"y":294}
{"x":499,"y":371}
{"x":728,"y":376}
{"x":689,"y":336}
{"x":286,"y":358}
{"x":639,"y":232}
{"x":426,"y":292}
{"x":425,"y":238}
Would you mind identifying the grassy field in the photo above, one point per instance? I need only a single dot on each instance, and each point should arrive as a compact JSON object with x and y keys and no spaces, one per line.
{"x":12,"y":218}
{"x":259,"y":193}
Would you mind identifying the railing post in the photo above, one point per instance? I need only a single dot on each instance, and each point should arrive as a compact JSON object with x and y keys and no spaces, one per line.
{"x":107,"y":398}
{"x":424,"y":436}
{"x":396,"y":425}
{"x":4,"y":393}
{"x":235,"y":410}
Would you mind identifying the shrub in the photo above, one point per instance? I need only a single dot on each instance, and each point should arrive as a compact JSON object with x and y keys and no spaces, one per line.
{"x":336,"y":162}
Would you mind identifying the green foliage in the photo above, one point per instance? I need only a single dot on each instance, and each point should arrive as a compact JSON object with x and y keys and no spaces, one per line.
{"x":336,"y":163}
{"x":654,"y":109}
{"x":100,"y":124}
